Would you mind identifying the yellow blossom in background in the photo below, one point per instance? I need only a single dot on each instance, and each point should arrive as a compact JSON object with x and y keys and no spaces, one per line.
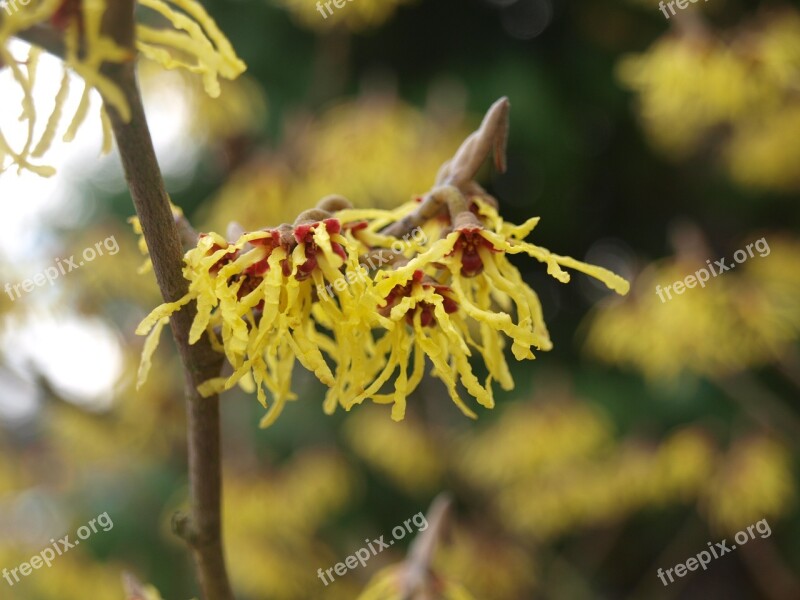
{"x":389,"y":585}
{"x":375,"y":151}
{"x":740,"y":319}
{"x":605,"y":488}
{"x":257,"y":193}
{"x":195,"y":44}
{"x":694,"y":331}
{"x":72,"y":576}
{"x":684,"y":460}
{"x":554,"y":468}
{"x":530,"y":438}
{"x":763,"y":152}
{"x":272,"y":523}
{"x":418,"y":468}
{"x":754,"y":481}
{"x":668,"y":78}
{"x":487,"y":566}
{"x":353,"y":15}
{"x":772,"y":306}
{"x":692,"y":86}
{"x":111,"y":279}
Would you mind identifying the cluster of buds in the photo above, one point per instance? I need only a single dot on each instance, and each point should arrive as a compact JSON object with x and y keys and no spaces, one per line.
{"x":276,"y":296}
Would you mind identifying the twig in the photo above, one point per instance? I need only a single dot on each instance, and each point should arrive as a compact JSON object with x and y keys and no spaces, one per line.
{"x":458,"y":173}
{"x":420,"y":556}
{"x":200,"y":362}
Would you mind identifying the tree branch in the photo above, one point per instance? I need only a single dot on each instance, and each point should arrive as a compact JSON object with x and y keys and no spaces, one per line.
{"x":199,"y":360}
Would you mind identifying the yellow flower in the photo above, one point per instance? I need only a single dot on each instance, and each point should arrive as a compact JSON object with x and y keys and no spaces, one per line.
{"x":257,"y":294}
{"x":389,"y":585}
{"x":692,"y":85}
{"x":488,"y":566}
{"x":355,"y":16}
{"x":605,"y":488}
{"x":311,"y":290}
{"x":417,"y":469}
{"x":270,"y":551}
{"x":375,"y":151}
{"x":753,"y":482}
{"x":455,"y":281}
{"x":528,"y":439}
{"x":81,"y":27}
{"x":738,"y":320}
{"x":86,"y":49}
{"x":763,"y":152}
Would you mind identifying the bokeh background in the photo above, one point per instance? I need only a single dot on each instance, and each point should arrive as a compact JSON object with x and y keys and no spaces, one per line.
{"x":648,"y":145}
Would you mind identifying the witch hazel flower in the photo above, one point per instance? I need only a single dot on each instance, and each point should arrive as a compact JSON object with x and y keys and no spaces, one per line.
{"x":74,"y":31}
{"x":447,"y":295}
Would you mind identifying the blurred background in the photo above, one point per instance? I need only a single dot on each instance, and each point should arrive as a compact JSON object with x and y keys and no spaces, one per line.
{"x":647,"y":145}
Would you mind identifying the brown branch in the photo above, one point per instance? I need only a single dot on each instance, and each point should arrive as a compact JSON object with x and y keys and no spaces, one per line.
{"x":458,"y":173}
{"x":200,"y":362}
{"x":45,"y":37}
{"x":417,"y":568}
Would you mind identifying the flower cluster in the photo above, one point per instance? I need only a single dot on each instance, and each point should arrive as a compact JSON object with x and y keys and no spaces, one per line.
{"x":734,"y":89}
{"x":746,"y":320}
{"x":445,"y":296}
{"x":194,"y":43}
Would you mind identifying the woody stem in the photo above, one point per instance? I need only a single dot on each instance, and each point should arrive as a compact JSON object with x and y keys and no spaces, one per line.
{"x":203,"y":528}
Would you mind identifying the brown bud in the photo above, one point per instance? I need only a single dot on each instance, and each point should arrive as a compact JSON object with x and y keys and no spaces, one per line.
{"x":466,"y":220}
{"x":312,"y":215}
{"x":333,"y":203}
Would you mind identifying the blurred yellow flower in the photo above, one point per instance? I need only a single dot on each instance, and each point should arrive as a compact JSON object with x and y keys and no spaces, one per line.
{"x":753,"y":481}
{"x":763,"y":152}
{"x":355,"y":16}
{"x":737,"y":89}
{"x":69,"y":577}
{"x":487,"y":566}
{"x":273,"y":552}
{"x":738,"y":320}
{"x":389,"y":585}
{"x":375,"y":151}
{"x":418,"y":468}
{"x":606,"y":488}
{"x":528,"y":439}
